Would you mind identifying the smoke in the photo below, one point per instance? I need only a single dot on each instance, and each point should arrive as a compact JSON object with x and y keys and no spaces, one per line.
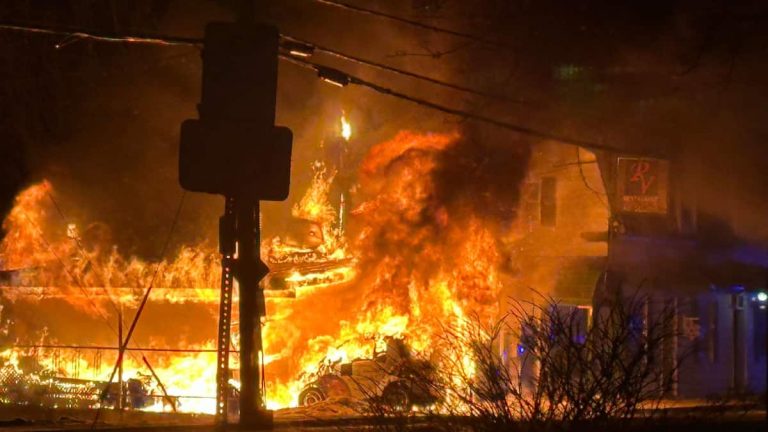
{"x":428,"y":209}
{"x":481,"y":175}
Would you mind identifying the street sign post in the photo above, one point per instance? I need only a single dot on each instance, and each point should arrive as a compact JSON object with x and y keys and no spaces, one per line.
{"x":235,"y":150}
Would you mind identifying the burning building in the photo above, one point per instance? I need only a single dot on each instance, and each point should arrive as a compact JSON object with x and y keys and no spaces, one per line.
{"x":432,"y":230}
{"x":421,"y":249}
{"x":430,"y":227}
{"x":433,"y":236}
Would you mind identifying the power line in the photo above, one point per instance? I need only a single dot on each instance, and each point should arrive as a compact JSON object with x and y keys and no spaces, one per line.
{"x":102,"y":36}
{"x":484,"y":119}
{"x":381,"y":66}
{"x":72,"y":35}
{"x":340,"y":78}
{"x":414,"y":23}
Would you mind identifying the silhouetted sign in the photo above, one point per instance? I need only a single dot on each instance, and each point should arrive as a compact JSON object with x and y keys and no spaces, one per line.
{"x":241,"y":160}
{"x":643,"y":185}
{"x":235,"y":149}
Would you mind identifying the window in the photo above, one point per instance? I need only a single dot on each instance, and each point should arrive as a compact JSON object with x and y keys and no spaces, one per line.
{"x":529,"y":210}
{"x":548,"y":201}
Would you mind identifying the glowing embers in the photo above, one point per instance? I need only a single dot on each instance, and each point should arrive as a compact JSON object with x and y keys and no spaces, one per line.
{"x":33,"y":380}
{"x":302,"y":281}
{"x":313,"y":252}
{"x":346,"y":128}
{"x":411,"y":263}
{"x":67,"y":378}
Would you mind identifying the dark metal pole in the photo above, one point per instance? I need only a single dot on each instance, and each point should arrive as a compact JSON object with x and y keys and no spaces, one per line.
{"x":252,"y":410}
{"x":227,"y":248}
{"x":120,"y":387}
{"x":250,"y":271}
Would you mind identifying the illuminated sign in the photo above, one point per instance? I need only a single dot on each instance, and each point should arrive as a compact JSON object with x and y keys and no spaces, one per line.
{"x":643,"y":185}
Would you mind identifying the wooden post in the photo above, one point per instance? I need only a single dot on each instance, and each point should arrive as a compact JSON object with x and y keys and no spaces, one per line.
{"x":120,"y":387}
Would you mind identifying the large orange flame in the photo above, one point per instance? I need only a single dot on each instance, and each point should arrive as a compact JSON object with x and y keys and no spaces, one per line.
{"x":413,"y":266}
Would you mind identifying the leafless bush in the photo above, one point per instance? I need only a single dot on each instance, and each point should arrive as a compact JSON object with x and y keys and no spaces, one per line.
{"x":570,"y":372}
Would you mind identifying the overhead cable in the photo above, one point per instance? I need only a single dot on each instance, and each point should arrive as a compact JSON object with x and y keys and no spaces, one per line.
{"x":72,"y":35}
{"x":414,"y":23}
{"x":69,"y":34}
{"x":340,"y":78}
{"x":381,"y":66}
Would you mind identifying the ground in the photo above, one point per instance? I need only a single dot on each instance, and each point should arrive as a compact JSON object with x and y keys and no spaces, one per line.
{"x":336,"y":416}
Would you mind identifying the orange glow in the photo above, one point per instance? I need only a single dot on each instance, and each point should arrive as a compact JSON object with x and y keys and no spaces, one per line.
{"x":409,"y":268}
{"x":346,"y":128}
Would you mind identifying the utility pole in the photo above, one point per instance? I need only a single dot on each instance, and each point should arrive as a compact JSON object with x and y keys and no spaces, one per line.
{"x":235,"y":150}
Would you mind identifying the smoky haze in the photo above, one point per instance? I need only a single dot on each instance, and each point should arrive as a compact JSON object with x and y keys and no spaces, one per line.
{"x":430,"y":204}
{"x":683,"y":80}
{"x":101,"y":120}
